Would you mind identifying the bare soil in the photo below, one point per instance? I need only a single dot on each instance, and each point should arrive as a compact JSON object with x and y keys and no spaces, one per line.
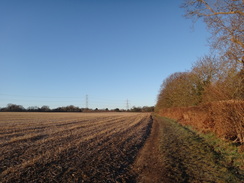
{"x":42,"y":147}
{"x":149,"y":165}
{"x":106,"y":147}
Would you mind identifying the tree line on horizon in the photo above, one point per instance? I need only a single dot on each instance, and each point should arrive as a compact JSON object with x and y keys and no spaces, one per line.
{"x":70,"y":108}
{"x":218,"y":76}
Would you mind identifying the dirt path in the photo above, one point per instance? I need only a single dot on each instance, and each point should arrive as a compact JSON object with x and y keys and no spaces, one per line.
{"x":149,"y":165}
{"x":175,"y":154}
{"x":116,"y":148}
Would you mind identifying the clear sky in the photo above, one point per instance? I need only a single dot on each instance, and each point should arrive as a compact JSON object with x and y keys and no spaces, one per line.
{"x":55,"y":52}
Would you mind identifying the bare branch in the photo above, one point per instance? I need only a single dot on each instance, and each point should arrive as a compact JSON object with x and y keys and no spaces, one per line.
{"x":225,"y":21}
{"x":234,"y":40}
{"x":222,"y":13}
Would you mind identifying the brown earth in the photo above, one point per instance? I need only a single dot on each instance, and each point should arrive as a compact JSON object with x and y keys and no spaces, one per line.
{"x":44,"y":147}
{"x":149,"y":166}
{"x":106,"y":147}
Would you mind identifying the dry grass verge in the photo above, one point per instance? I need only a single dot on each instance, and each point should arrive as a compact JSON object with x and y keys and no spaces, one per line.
{"x":189,"y":157}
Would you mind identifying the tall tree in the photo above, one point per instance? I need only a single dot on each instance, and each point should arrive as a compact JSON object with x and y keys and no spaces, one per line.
{"x":178,"y":90}
{"x":225,"y":20}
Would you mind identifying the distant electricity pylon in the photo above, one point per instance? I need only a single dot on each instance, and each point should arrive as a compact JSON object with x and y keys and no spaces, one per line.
{"x":87,"y":101}
{"x":127,"y":104}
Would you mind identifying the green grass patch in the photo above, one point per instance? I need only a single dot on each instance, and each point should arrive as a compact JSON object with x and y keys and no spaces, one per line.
{"x":191,"y":156}
{"x":227,"y":150}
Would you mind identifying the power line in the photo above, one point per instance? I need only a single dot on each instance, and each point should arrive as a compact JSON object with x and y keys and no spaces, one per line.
{"x":127,"y":104}
{"x":87,"y":101}
{"x":58,"y":100}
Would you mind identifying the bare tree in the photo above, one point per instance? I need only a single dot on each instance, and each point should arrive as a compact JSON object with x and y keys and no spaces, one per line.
{"x":178,"y":90}
{"x":211,"y":79}
{"x":207,"y":69}
{"x":217,"y":79}
{"x":225,"y":20}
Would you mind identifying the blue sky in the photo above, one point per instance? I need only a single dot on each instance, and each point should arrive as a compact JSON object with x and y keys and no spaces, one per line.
{"x":55,"y":52}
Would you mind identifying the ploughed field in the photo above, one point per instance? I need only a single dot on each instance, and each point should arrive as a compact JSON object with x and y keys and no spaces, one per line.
{"x":70,"y":147}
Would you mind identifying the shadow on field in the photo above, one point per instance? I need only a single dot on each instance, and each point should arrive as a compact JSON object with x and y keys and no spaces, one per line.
{"x":188,"y":158}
